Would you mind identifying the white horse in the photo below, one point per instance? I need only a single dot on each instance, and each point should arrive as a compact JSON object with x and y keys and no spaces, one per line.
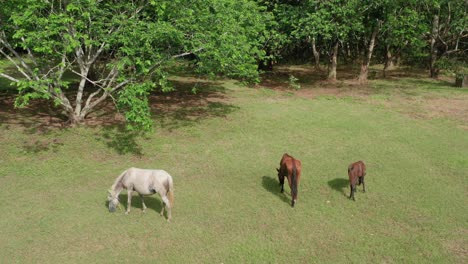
{"x":145,"y":182}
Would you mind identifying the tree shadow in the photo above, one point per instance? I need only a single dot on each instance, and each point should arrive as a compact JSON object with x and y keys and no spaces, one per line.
{"x":43,"y":145}
{"x":152,"y":203}
{"x":40,"y":116}
{"x":121,"y":140}
{"x":192,"y":101}
{"x":172,"y":110}
{"x":272,"y":185}
{"x":279,"y":77}
{"x":339,"y":185}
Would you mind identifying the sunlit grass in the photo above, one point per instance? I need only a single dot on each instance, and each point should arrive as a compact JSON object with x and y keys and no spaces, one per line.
{"x":222,"y":155}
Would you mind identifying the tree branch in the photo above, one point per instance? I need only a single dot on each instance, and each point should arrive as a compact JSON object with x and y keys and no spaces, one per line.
{"x":30,"y":54}
{"x":9,"y":77}
{"x":174,"y":57}
{"x":7,"y":45}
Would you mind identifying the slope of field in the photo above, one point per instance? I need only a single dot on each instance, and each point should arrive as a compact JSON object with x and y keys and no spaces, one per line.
{"x":222,"y":147}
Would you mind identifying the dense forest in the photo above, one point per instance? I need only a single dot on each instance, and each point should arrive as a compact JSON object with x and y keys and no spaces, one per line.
{"x":123,"y":49}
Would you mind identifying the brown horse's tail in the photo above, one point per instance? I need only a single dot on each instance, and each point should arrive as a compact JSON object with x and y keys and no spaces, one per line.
{"x":170,"y":193}
{"x":294,"y":180}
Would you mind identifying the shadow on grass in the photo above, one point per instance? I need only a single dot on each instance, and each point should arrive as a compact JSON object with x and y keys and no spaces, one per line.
{"x":192,"y":101}
{"x":42,"y":146}
{"x":339,"y":185}
{"x":39,"y":117}
{"x":173,"y":110}
{"x":152,"y":203}
{"x":433,"y":84}
{"x":120,"y":140}
{"x":272,"y":185}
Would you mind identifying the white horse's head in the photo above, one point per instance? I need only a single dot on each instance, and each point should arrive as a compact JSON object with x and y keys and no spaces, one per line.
{"x":113,"y":200}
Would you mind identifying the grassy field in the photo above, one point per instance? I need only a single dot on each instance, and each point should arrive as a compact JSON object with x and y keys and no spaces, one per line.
{"x":222,"y":147}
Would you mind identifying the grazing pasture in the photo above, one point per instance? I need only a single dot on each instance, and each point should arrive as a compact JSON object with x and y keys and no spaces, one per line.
{"x":222,"y":147}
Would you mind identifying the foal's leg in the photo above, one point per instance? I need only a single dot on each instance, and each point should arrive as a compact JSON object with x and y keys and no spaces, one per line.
{"x":143,"y":203}
{"x":129,"y":200}
{"x":363,"y":185}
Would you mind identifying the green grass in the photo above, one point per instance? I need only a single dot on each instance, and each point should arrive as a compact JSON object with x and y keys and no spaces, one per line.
{"x":222,"y":155}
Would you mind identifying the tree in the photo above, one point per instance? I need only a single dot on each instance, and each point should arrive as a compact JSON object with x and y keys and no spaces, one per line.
{"x":310,"y":25}
{"x":120,"y":49}
{"x":448,"y":20}
{"x":372,"y":18}
{"x":402,"y":29}
{"x":344,"y":20}
{"x":278,"y":16}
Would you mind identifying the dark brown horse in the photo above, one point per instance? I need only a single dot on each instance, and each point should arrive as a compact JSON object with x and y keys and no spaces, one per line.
{"x":356,"y":173}
{"x":291,"y":168}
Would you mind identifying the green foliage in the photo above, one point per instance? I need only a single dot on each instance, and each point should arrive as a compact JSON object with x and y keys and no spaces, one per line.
{"x":451,"y":65}
{"x":120,"y":45}
{"x":134,"y":102}
{"x":110,"y":46}
{"x":404,"y":28}
{"x":231,"y":46}
{"x":293,"y":82}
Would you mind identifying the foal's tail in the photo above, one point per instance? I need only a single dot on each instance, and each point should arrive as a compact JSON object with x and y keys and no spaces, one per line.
{"x":170,"y":193}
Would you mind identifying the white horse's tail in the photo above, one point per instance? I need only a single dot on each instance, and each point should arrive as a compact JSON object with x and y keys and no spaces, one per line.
{"x":170,"y":192}
{"x":118,"y":181}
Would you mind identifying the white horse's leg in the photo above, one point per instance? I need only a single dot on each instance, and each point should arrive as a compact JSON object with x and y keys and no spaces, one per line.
{"x":143,"y":203}
{"x":162,"y":207}
{"x":129,"y":200}
{"x":168,"y":207}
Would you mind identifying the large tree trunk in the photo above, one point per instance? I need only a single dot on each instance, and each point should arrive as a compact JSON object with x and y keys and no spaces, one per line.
{"x":316,"y":54}
{"x":389,"y":65}
{"x":433,"y":56}
{"x":366,"y":62}
{"x":333,"y":63}
{"x":74,"y":119}
{"x":348,"y":53}
{"x":398,"y":58}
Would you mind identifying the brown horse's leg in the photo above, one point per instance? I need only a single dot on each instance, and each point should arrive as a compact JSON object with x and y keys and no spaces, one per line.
{"x":129,"y":200}
{"x":282,"y":183}
{"x":353,"y":189}
{"x":143,"y":203}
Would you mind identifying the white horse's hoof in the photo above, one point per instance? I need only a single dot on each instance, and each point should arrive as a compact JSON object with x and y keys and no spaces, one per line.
{"x":126,"y":213}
